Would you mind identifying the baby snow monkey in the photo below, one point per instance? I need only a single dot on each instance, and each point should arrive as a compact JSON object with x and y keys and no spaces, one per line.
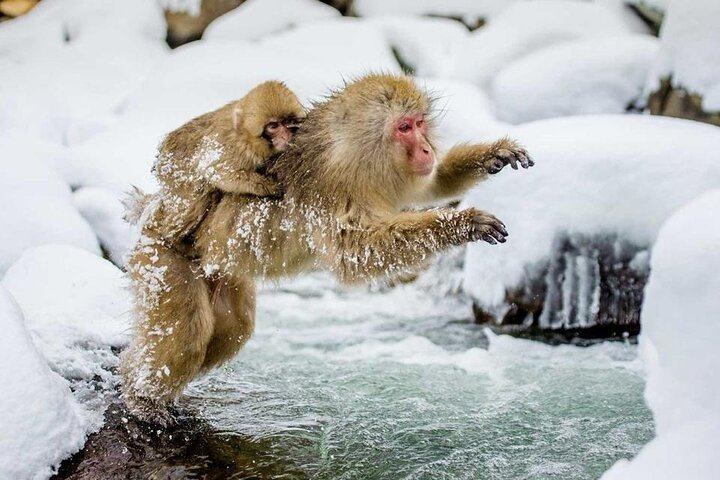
{"x":223,"y":151}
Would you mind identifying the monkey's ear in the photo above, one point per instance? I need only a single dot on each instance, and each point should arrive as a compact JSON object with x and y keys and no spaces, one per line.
{"x":236,"y":117}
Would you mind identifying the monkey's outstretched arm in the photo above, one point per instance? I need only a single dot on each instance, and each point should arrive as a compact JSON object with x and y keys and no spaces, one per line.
{"x":397,"y":245}
{"x":247,"y":183}
{"x":465,"y":164}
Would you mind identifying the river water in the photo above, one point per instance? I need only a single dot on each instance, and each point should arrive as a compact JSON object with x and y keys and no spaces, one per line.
{"x":399,"y":383}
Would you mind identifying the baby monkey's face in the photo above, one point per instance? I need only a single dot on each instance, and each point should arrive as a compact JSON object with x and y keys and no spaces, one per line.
{"x":279,"y":132}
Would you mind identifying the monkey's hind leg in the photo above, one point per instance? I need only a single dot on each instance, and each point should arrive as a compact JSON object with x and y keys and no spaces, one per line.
{"x":233,"y":303}
{"x":174,"y":324}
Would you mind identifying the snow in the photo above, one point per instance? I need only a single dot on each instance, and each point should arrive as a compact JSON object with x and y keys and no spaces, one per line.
{"x":103,"y":210}
{"x":38,"y":202}
{"x":429,"y":45}
{"x":469,"y":10}
{"x":78,"y":313}
{"x":594,"y":174}
{"x":596,"y":75}
{"x":69,"y":43}
{"x":190,"y":7}
{"x":41,"y":422}
{"x":679,"y":347}
{"x":527,"y":27}
{"x":255,"y":19}
{"x":689,"y":48}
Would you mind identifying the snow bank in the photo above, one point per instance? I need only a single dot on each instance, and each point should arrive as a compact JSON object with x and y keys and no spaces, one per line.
{"x":595,"y":174}
{"x":527,"y":27}
{"x":103,"y":210}
{"x":95,"y":51}
{"x":469,"y":10}
{"x":38,"y":205}
{"x":681,"y":325}
{"x":76,"y":305}
{"x":598,"y":75}
{"x":259,"y":18}
{"x":689,"y":48}
{"x":40,"y":423}
{"x":429,"y":45}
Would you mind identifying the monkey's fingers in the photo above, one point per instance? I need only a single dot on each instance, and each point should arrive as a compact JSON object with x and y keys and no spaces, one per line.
{"x":488,"y":228}
{"x":525,"y":160}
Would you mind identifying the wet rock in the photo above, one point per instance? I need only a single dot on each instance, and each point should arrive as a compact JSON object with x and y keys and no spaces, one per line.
{"x":129,"y":449}
{"x":590,"y":289}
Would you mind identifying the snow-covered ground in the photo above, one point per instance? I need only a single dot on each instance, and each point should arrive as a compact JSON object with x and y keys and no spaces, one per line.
{"x":89,"y":88}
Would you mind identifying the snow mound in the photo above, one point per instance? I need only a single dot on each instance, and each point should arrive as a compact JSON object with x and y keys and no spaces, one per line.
{"x":679,"y":346}
{"x":689,"y":48}
{"x":41,"y":423}
{"x":102,"y":209}
{"x":526,"y":27}
{"x":254,"y":19}
{"x":597,"y":75}
{"x":76,"y":305}
{"x":428,"y":45}
{"x":95,"y":51}
{"x":469,"y":10}
{"x":38,"y":204}
{"x":345,"y":45}
{"x":596,"y":174}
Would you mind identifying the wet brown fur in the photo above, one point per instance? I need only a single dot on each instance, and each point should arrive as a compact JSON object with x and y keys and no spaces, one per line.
{"x":347,"y":188}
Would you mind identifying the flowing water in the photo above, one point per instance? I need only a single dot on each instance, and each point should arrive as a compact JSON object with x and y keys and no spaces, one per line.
{"x":400,"y":383}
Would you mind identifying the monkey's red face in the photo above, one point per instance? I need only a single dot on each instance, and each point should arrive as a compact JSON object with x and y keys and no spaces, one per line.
{"x":280,"y":132}
{"x":410,"y":131}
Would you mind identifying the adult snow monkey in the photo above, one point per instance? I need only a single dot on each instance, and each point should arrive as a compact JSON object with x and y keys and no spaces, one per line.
{"x":360,"y":158}
{"x":223,"y":151}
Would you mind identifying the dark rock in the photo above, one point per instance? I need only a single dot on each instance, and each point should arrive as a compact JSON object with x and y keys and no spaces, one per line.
{"x":590,"y":288}
{"x":127,"y":449}
{"x":675,"y":101}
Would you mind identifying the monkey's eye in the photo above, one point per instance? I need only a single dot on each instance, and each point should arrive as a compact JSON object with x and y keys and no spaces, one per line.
{"x":404,"y":127}
{"x":420,"y":123}
{"x":272,"y":126}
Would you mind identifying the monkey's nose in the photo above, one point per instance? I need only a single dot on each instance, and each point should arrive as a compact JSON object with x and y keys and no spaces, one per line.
{"x":425,"y":150}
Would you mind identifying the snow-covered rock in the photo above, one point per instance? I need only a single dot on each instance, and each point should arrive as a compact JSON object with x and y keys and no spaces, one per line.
{"x":428,"y":45}
{"x":344,"y":45}
{"x":38,"y":203}
{"x":469,"y":10}
{"x":526,"y":27}
{"x":681,"y":325}
{"x":255,"y":19}
{"x":40,"y":422}
{"x":77,"y":307}
{"x":95,"y":52}
{"x":596,"y":75}
{"x":689,"y":41}
{"x":103,"y":210}
{"x":613,"y":174}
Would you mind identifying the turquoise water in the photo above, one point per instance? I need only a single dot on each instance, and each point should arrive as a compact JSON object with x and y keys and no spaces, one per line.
{"x":400,"y":384}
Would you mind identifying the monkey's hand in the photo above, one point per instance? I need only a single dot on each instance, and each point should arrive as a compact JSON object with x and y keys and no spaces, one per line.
{"x":268,"y":188}
{"x":506,"y":152}
{"x":484,"y":226}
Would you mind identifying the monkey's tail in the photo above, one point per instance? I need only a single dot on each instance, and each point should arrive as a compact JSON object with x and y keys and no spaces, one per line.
{"x":136,"y":203}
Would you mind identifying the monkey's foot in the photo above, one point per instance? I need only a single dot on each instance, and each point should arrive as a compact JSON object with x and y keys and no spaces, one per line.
{"x":150,"y":411}
{"x":507,"y":152}
{"x":485,"y":226}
